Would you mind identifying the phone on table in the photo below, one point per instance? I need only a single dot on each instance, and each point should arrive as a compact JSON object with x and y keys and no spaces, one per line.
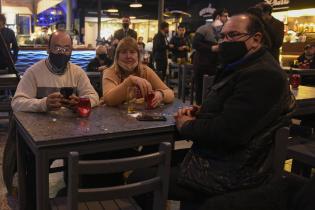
{"x":146,"y":117}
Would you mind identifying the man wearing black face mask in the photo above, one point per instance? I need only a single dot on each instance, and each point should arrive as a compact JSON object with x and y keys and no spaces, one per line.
{"x":39,"y":89}
{"x":250,"y":95}
{"x":101,"y":61}
{"x":125,"y":31}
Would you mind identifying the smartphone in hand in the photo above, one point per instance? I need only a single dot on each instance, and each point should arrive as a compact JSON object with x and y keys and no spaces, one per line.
{"x":66,"y":92}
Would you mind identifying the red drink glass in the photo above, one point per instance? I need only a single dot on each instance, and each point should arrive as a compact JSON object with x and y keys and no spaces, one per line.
{"x":295,"y":81}
{"x":149,"y":100}
{"x":84,"y":107}
{"x":138,"y":92}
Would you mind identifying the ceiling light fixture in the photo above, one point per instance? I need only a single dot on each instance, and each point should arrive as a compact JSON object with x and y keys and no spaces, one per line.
{"x":112,"y":10}
{"x":135,"y":4}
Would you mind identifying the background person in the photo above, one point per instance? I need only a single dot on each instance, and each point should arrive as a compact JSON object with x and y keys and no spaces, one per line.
{"x":101,"y":60}
{"x":307,"y":59}
{"x":274,"y":27}
{"x":181,"y":45}
{"x":160,"y":49}
{"x":10,"y":40}
{"x":125,"y":31}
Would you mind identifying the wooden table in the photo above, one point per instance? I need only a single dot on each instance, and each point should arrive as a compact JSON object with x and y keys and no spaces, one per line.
{"x":53,"y":135}
{"x":305,"y":99}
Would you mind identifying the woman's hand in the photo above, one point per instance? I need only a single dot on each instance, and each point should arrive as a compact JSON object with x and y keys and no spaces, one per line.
{"x":158,"y":98}
{"x":143,"y":84}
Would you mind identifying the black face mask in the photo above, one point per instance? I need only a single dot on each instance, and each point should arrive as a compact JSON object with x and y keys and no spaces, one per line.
{"x":59,"y":61}
{"x":103,"y":56}
{"x":230,"y":52}
{"x":125,"y":25}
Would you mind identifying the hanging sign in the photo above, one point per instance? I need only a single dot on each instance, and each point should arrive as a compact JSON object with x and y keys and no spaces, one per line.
{"x":279,"y":4}
{"x":207,"y":12}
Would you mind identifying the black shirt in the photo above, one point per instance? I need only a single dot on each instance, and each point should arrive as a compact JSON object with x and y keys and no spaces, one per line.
{"x":9,"y":37}
{"x":95,"y":63}
{"x":122,"y":33}
{"x":179,"y":42}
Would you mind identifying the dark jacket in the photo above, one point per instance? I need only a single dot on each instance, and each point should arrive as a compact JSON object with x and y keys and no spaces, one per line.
{"x":10,"y":39}
{"x":231,"y":117}
{"x":204,"y":59}
{"x":311,"y":62}
{"x":179,"y":42}
{"x":94,"y":64}
{"x":121,"y":33}
{"x":275,"y":30}
{"x":160,"y":47}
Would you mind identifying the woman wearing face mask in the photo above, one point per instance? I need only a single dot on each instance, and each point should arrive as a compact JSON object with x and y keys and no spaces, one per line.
{"x":101,"y":60}
{"x":127,"y":71}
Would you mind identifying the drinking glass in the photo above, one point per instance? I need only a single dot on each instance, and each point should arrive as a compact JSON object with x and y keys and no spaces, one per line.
{"x":131,"y":99}
{"x":84,"y":107}
{"x":295,"y":81}
{"x":149,"y":100}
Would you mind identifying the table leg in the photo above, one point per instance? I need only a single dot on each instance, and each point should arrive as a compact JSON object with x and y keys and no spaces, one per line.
{"x":20,"y":148}
{"x":183,"y":82}
{"x":179,"y":82}
{"x":42,"y":181}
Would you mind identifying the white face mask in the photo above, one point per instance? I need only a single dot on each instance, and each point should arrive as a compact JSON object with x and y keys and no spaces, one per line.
{"x":128,"y":67}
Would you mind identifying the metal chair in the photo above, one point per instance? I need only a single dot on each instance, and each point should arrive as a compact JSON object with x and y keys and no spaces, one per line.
{"x":274,"y":161}
{"x":186,"y":75}
{"x":102,"y":197}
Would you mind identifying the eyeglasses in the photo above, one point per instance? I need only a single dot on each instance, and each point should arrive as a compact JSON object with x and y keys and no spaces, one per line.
{"x":62,"y":50}
{"x":233,"y":35}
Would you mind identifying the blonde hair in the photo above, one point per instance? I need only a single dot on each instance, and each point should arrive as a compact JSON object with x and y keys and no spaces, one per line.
{"x":127,"y":43}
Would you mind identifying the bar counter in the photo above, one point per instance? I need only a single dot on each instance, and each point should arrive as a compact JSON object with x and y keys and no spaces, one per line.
{"x":30,"y":55}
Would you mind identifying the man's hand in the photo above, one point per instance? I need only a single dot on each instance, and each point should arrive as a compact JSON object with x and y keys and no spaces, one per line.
{"x":181,"y":117}
{"x":215,"y":48}
{"x":53,"y":101}
{"x":116,"y":41}
{"x":70,"y":103}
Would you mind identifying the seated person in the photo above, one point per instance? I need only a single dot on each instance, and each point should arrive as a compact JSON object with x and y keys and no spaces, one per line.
{"x":307,"y":59}
{"x":101,"y":60}
{"x":128,"y":71}
{"x":250,"y":93}
{"x":38,"y":91}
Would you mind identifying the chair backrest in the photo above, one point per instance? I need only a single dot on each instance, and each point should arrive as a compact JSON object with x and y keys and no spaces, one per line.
{"x":157,"y":184}
{"x":275,"y":160}
{"x":186,"y":79}
{"x":207,"y":83}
